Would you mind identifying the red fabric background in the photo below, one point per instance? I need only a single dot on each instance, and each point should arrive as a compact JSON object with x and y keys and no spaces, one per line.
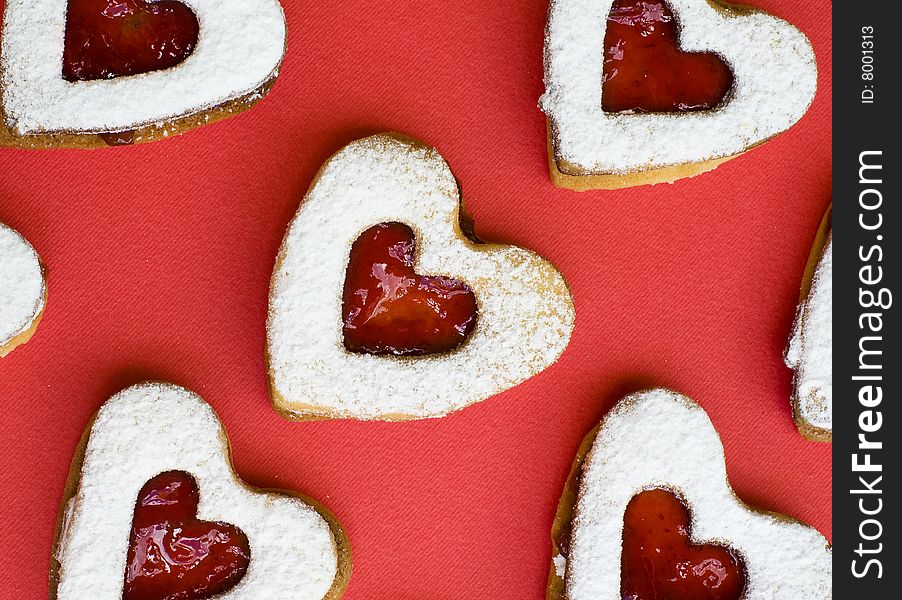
{"x":159,"y":261}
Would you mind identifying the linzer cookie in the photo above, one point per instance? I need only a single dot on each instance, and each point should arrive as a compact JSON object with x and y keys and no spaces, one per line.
{"x":650,"y":91}
{"x":154,"y":511}
{"x":23,"y":290}
{"x":384,"y":306}
{"x":648,"y":514}
{"x":810,"y":350}
{"x":91,"y":73}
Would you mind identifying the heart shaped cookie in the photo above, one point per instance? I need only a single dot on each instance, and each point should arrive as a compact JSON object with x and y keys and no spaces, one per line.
{"x":642,"y":92}
{"x":810,"y":350}
{"x":378,"y":247}
{"x":23,"y":290}
{"x":91,"y":73}
{"x":648,"y":514}
{"x":153,"y":509}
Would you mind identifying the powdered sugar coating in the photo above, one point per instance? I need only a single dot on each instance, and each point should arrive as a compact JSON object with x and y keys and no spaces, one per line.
{"x":810,"y":351}
{"x":659,"y":438}
{"x":525,"y":310}
{"x":240,"y":47}
{"x":152,"y":428}
{"x":22,"y":286}
{"x":775,"y":78}
{"x":560,"y":565}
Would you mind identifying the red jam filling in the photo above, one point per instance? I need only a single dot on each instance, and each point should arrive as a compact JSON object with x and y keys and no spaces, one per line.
{"x":121,"y":138}
{"x":645,"y":70}
{"x":659,"y":561}
{"x":174,"y":556}
{"x":390,"y":309}
{"x":113,"y":38}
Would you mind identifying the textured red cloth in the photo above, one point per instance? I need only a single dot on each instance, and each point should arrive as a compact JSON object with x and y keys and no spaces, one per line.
{"x":159,"y":261}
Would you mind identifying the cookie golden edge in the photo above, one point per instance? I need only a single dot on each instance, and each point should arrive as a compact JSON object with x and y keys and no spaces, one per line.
{"x":25,"y":336}
{"x":73,"y":480}
{"x":566,"y":512}
{"x":463,"y":230}
{"x":143,"y":134}
{"x":568,"y":176}
{"x":807,"y":430}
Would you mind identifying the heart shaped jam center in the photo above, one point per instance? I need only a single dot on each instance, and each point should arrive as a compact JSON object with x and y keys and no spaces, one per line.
{"x":174,"y":556}
{"x":645,"y":70}
{"x":113,"y":38}
{"x":659,"y":561}
{"x":389,"y":309}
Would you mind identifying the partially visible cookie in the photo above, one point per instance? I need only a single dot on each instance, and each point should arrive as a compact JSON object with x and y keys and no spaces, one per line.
{"x":810,"y":350}
{"x":643,"y":92}
{"x":23,"y":290}
{"x":648,"y":514}
{"x":153,"y":509}
{"x":383,"y":306}
{"x":80,"y":74}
